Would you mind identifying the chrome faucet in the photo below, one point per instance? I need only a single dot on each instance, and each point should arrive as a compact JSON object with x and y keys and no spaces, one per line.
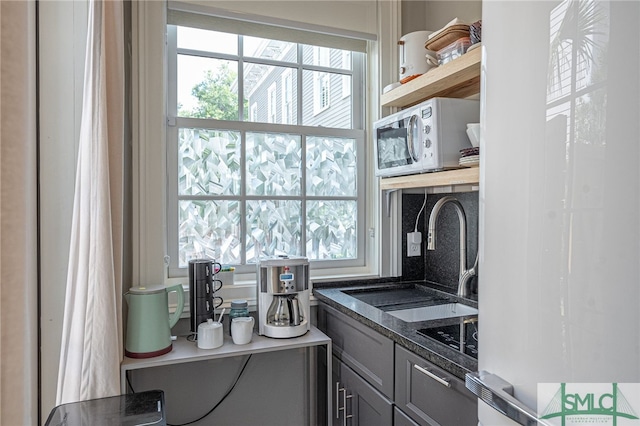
{"x":465,"y":274}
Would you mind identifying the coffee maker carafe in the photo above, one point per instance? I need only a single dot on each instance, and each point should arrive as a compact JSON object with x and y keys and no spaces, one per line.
{"x":283,"y":297}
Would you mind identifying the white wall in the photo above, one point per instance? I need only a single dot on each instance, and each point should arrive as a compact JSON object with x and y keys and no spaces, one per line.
{"x":61,"y":24}
{"x":433,"y":15}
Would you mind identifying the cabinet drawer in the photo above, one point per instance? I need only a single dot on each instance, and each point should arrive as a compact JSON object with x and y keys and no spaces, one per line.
{"x":425,"y":398}
{"x":367,"y":352}
{"x":365,"y":405}
{"x":401,"y":419}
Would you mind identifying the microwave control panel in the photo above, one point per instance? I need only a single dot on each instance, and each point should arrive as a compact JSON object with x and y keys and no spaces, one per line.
{"x":429,"y":154}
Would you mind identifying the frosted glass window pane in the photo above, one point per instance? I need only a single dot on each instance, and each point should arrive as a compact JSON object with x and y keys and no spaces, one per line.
{"x":331,"y":229}
{"x":274,"y":228}
{"x":209,"y":229}
{"x":274,"y":163}
{"x":208,"y":162}
{"x":331,"y":167}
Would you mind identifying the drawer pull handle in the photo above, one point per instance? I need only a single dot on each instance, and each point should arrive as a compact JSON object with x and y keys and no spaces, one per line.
{"x":338,"y":390}
{"x":344,"y":403}
{"x":442,"y":380}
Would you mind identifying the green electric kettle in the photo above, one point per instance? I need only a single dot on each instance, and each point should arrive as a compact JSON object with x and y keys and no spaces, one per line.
{"x":149,"y":323}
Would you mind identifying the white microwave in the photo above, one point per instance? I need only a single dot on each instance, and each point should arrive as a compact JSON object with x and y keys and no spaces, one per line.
{"x":423,"y":138}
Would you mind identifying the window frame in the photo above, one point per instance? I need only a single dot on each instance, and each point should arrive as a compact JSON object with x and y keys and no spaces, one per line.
{"x":148,"y":138}
{"x":346,"y":81}
{"x":174,"y":123}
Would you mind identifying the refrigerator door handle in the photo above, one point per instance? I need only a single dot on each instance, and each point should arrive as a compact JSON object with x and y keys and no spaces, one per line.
{"x":498,"y":394}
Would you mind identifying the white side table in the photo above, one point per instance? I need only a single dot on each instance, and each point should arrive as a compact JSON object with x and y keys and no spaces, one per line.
{"x":184,"y":352}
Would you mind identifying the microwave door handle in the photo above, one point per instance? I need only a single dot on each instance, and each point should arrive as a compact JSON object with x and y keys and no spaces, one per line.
{"x":412,"y":123}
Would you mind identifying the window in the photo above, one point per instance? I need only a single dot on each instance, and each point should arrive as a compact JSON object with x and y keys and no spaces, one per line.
{"x":249,"y":178}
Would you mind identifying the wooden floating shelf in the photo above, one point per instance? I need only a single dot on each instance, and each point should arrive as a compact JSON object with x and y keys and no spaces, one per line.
{"x":459,"y":78}
{"x":466,"y":176}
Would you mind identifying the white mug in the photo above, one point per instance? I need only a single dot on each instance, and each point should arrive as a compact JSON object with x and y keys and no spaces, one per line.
{"x":242,"y":330}
{"x":210,"y":335}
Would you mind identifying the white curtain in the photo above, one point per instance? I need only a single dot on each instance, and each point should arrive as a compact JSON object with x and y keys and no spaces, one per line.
{"x":91,"y":349}
{"x":18,"y":220}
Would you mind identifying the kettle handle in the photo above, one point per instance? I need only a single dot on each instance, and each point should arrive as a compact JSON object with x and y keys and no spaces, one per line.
{"x":173,"y":319}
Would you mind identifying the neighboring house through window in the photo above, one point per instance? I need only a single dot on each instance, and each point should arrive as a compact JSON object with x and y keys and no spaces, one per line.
{"x":253,"y":112}
{"x":321,"y":80}
{"x":271,"y":103}
{"x":287,"y":97}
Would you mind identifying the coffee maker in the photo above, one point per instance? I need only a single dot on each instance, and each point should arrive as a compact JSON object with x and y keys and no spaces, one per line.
{"x":283,"y":296}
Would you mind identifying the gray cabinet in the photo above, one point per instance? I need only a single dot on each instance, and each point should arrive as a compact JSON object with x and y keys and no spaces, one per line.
{"x":356,"y":401}
{"x":371,"y":373}
{"x":401,"y":419}
{"x":367,"y":352}
{"x":432,"y":396}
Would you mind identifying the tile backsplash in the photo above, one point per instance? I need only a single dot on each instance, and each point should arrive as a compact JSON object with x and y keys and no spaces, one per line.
{"x":441,"y":265}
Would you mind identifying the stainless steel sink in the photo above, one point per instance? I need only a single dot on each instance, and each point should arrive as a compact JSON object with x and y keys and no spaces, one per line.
{"x":388,"y":299}
{"x":426,"y":313}
{"x":413,"y":304}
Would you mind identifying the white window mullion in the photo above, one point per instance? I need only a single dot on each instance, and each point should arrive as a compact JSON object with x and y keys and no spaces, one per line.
{"x":299,"y":89}
{"x":303,"y":203}
{"x":241,"y":116}
{"x":243,"y":197}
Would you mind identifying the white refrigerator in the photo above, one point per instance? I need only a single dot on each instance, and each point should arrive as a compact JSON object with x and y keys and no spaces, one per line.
{"x":559,"y":286}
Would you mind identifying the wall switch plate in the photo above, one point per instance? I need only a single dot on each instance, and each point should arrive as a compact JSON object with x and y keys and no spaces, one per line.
{"x":414,"y":241}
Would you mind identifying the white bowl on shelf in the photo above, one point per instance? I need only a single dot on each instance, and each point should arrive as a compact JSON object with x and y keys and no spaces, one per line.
{"x":473,"y":132}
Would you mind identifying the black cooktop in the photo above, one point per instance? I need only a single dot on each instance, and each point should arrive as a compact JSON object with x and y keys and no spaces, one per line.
{"x":449,"y":335}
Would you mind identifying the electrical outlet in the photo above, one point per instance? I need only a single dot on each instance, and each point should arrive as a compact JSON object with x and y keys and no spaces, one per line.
{"x":414,"y":241}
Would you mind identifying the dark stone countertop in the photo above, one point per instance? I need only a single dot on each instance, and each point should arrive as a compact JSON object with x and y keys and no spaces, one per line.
{"x":403,"y":333}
